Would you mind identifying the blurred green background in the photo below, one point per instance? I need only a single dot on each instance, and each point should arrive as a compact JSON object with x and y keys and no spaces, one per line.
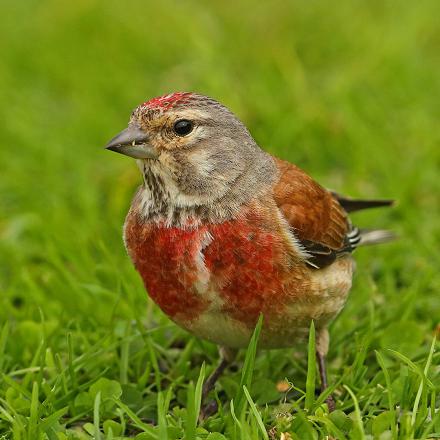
{"x":349,"y":91}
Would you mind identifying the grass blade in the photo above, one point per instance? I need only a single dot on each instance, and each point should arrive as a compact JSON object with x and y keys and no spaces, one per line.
{"x":234,"y":416}
{"x":96,"y":421}
{"x":71,"y":360}
{"x":154,"y":362}
{"x":256,"y":413}
{"x":357,"y":413}
{"x":248,"y":366}
{"x":137,"y":422}
{"x":193,"y":405}
{"x":163,"y":429}
{"x":33,"y":430}
{"x":311,"y":369}
{"x":125,"y":353}
{"x":413,"y":367}
{"x":237,"y":424}
{"x":421,"y":386}
{"x":47,"y":423}
{"x":392,"y":410}
{"x":3,"y":338}
{"x":198,"y":391}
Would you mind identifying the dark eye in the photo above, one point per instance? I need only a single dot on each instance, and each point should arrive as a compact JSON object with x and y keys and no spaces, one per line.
{"x":183,"y":127}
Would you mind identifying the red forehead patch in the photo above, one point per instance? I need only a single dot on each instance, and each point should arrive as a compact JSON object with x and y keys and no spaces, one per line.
{"x":166,"y":102}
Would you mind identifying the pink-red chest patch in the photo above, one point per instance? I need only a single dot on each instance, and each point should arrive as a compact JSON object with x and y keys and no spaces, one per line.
{"x":244,"y":267}
{"x":166,"y":261}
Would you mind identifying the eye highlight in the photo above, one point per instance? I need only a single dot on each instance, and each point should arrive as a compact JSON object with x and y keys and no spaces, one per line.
{"x":183,"y":127}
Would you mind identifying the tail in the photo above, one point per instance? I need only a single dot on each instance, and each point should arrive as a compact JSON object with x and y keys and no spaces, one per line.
{"x":351,"y":205}
{"x":375,"y":236}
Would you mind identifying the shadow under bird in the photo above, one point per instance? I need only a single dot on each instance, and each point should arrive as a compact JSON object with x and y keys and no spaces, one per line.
{"x":221,"y":231}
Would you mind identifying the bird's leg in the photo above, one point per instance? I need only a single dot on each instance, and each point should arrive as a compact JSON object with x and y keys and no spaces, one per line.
{"x":322,"y":342}
{"x":212,"y":379}
{"x":227,"y":355}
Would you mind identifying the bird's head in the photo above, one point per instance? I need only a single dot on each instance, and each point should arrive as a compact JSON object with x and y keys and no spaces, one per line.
{"x":196,"y":148}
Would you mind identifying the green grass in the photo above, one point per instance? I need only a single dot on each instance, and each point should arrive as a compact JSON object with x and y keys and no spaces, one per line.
{"x":349,"y":91}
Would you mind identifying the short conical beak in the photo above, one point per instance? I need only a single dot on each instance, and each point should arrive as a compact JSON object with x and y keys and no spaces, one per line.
{"x":132,"y":142}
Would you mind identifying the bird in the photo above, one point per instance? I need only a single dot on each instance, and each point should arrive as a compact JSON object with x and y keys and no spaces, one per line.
{"x":222,"y":232}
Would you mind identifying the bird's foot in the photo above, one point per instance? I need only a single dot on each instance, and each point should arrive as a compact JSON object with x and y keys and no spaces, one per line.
{"x":331,"y":404}
{"x":208,"y":410}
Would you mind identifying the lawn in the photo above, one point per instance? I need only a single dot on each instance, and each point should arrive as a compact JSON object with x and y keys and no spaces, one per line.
{"x":349,"y":91}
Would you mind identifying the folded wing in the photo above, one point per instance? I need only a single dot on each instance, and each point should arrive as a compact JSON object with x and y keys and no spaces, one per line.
{"x":317,"y":217}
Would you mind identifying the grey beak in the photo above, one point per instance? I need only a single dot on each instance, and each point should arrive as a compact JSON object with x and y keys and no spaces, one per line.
{"x":132,"y":142}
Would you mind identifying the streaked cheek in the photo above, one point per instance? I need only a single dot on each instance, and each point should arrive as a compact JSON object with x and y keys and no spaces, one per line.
{"x":202,"y":162}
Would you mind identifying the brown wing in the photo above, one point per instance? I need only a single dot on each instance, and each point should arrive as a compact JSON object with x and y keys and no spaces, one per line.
{"x":311,"y":210}
{"x":317,"y":219}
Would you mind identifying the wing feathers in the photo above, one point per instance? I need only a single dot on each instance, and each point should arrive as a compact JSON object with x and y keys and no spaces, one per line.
{"x":318,"y":218}
{"x":351,"y":205}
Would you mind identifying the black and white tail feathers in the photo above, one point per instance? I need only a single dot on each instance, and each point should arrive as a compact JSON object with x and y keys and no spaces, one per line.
{"x":363,"y":237}
{"x":375,"y":236}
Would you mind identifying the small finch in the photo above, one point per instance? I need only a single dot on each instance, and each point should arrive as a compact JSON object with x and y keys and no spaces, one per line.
{"x":221,"y":231}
